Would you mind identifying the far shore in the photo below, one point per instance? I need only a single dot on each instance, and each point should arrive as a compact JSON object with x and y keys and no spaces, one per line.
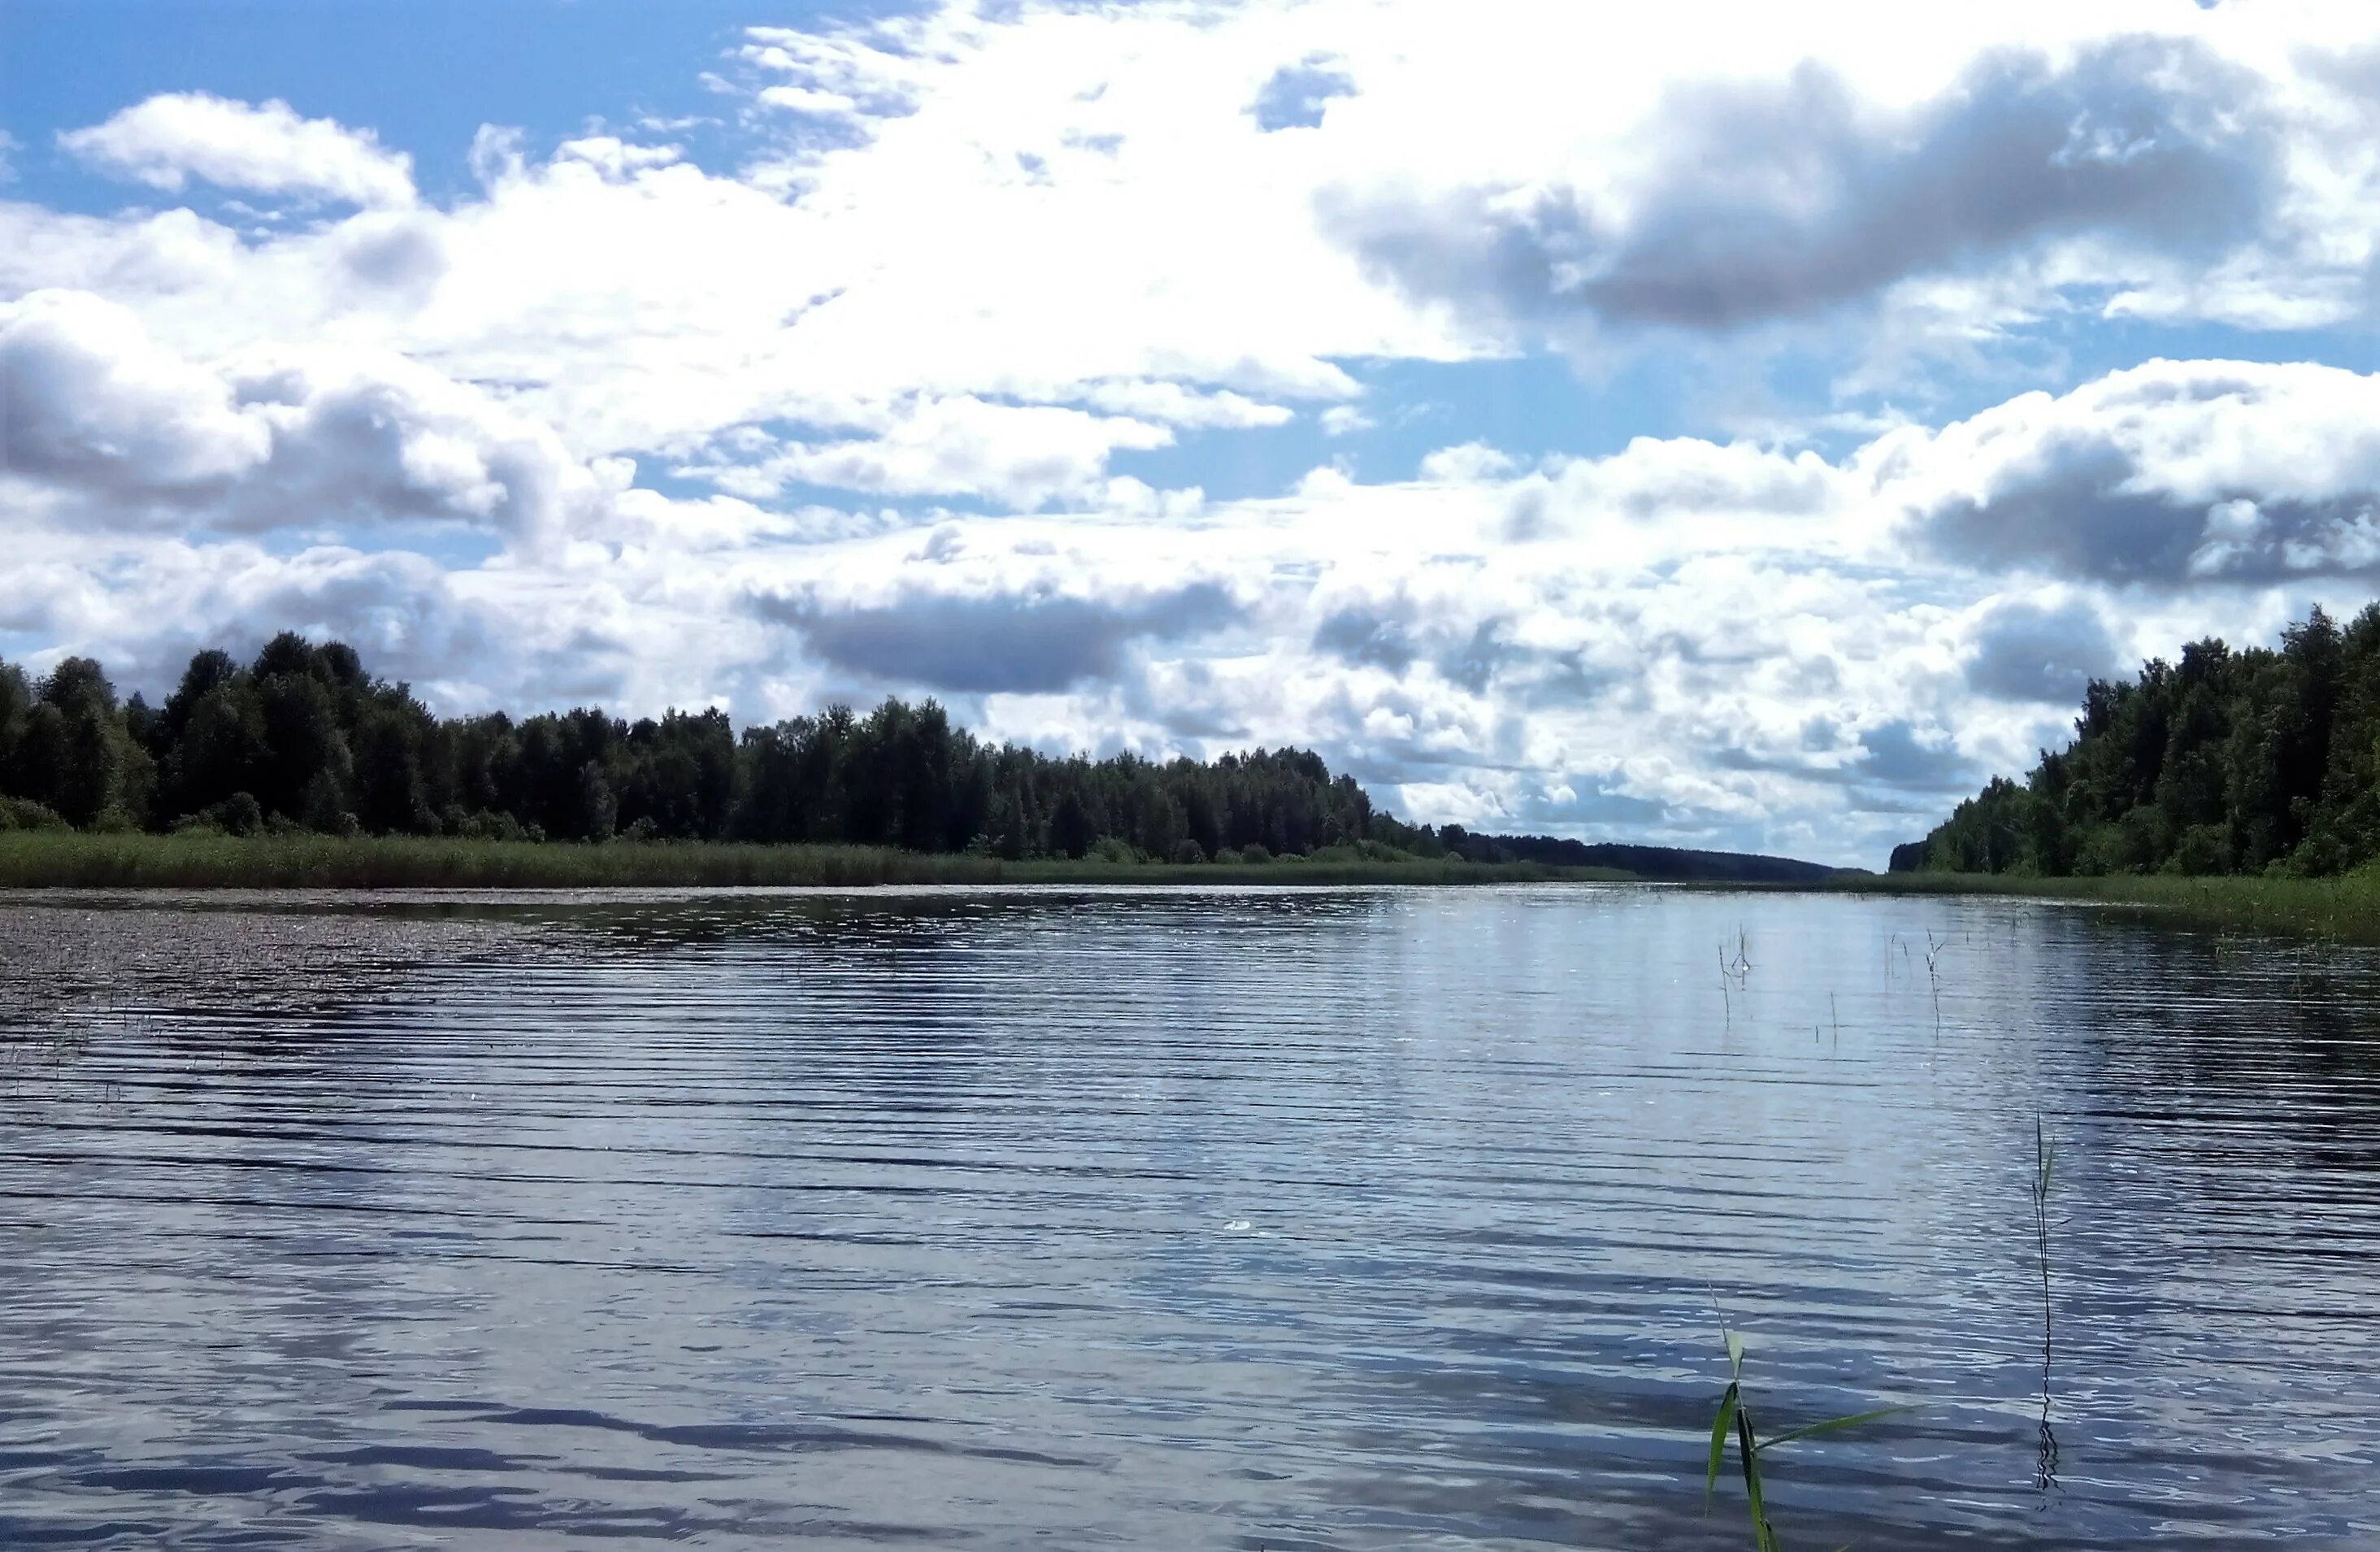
{"x":2345,"y":909}
{"x":51,"y":859}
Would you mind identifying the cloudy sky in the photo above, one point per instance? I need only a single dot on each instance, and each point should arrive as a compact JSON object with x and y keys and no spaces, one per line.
{"x":1733,"y":425}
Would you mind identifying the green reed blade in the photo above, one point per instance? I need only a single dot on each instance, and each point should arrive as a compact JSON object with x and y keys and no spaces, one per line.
{"x":1831,"y":1424}
{"x":1718,"y":1442}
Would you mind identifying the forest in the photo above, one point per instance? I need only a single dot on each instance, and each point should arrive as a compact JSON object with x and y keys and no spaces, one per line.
{"x":304,"y":739}
{"x":2262,"y":760}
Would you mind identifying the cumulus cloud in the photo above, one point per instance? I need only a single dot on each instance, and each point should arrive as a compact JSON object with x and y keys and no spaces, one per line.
{"x":117,"y":431}
{"x":1780,"y":198}
{"x":1448,"y":619}
{"x":1896,"y":754}
{"x":88,"y":399}
{"x":166,"y":598}
{"x":1586,"y":802}
{"x":1470,"y":461}
{"x":616,"y":158}
{"x":360,"y":440}
{"x":876,"y":68}
{"x":1177,"y":406}
{"x":1356,"y":636}
{"x":1036,"y":641}
{"x":263,"y":148}
{"x":1021,"y":455}
{"x":2031,"y":651}
{"x":1744,"y":486}
{"x":389,"y":255}
{"x":1660,"y":474}
{"x":402,"y":611}
{"x":2170,"y":473}
{"x":419,"y":425}
{"x":1132,"y":233}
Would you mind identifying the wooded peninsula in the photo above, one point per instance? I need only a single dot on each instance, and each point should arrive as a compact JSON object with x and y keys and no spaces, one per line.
{"x":2261,"y":761}
{"x":303,"y":745}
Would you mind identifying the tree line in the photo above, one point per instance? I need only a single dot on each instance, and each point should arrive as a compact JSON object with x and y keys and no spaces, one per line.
{"x":2258,"y":761}
{"x":303,"y":738}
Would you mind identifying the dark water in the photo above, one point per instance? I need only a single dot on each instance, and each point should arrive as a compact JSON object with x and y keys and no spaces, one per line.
{"x":1345,"y":1220}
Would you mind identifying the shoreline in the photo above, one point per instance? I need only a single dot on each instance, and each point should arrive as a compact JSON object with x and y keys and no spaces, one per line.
{"x":66,"y":860}
{"x":2344,"y":909}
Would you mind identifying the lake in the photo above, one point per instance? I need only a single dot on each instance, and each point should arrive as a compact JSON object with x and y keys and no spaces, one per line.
{"x":1229,"y":1220}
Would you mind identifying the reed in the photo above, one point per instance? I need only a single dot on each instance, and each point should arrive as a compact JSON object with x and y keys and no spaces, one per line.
{"x":2045,"y":1159}
{"x":2345,"y":909}
{"x":68,"y":859}
{"x":1734,"y":1423}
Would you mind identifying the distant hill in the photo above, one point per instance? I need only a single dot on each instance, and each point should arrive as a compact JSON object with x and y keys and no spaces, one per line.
{"x":1665,"y":863}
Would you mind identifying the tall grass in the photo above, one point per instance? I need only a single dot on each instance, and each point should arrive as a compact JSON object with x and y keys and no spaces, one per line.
{"x":1734,"y":1423}
{"x":2346,"y":908}
{"x":67,"y":860}
{"x":2045,"y":1159}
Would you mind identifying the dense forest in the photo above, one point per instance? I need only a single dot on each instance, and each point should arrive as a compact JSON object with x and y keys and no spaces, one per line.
{"x":304,"y":738}
{"x":2262,"y":760}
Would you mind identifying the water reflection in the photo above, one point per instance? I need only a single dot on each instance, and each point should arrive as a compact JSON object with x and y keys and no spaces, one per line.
{"x":1329,"y":1220}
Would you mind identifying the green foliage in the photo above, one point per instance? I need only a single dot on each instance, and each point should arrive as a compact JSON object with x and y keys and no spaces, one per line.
{"x":2345,"y":907}
{"x":1733,"y":1422}
{"x":202,"y":856}
{"x":239,"y":814}
{"x":303,"y":738}
{"x":2229,"y":762}
{"x":65,"y":746}
{"x":23,"y":813}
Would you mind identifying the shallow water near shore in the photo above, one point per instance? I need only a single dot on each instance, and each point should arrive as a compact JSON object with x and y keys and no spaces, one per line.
{"x":1234,"y":1219}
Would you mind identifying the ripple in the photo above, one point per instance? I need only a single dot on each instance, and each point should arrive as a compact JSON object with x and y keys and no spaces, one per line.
{"x":1345,"y":1218}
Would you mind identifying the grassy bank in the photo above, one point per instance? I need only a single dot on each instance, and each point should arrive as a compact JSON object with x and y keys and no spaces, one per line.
{"x":65,"y":859}
{"x":2345,"y":908}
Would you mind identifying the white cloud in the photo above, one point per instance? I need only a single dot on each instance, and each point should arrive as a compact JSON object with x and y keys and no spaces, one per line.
{"x":268,"y":148}
{"x":2041,"y":649}
{"x":1177,"y":406}
{"x":1062,"y":207}
{"x":971,"y":256}
{"x":2171,"y":472}
{"x":87,"y":398}
{"x":1730,"y":685}
{"x":806,"y":99}
{"x":1023,"y":457}
{"x":1745,"y":202}
{"x":117,"y":431}
{"x":614,"y":157}
{"x":1470,"y":462}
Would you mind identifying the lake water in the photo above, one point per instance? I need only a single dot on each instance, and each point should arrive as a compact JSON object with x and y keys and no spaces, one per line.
{"x":1350,"y":1219}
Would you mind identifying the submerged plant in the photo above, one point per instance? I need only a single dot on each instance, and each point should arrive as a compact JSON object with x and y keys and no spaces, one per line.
{"x":1734,"y":1420}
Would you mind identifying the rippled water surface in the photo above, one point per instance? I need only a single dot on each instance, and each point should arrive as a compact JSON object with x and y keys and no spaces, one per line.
{"x":1316,"y":1220}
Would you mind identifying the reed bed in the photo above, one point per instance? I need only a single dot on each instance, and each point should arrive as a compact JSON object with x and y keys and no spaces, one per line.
{"x":70,"y":860}
{"x":2346,"y":908}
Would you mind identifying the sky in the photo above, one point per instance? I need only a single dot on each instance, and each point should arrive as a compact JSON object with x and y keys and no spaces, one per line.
{"x":1717,"y":425}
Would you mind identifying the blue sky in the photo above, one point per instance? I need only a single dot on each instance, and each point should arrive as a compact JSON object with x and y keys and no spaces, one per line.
{"x":1707,"y":425}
